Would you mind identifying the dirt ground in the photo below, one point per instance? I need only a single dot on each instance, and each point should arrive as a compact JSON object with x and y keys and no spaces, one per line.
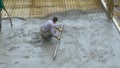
{"x":89,"y":40}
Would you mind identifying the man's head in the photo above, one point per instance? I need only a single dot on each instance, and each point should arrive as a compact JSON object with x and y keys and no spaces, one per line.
{"x":55,"y":19}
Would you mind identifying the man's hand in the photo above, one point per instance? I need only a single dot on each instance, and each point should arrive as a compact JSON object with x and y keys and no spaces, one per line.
{"x":58,"y":37}
{"x":60,"y":29}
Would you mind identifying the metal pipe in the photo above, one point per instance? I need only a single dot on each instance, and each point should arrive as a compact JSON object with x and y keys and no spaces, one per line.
{"x":9,"y":17}
{"x":56,"y":49}
{"x":114,"y":19}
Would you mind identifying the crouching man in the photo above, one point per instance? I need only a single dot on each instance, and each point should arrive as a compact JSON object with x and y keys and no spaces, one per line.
{"x":48,"y":29}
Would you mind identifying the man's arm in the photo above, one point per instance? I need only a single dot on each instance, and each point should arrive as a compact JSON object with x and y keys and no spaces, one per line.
{"x":58,"y":28}
{"x":53,"y":32}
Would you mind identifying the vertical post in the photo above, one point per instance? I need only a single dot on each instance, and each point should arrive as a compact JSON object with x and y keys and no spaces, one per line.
{"x":1,"y":7}
{"x":0,"y":21}
{"x":110,"y":8}
{"x":119,"y":3}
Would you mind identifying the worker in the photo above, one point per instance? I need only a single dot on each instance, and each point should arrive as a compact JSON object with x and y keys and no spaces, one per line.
{"x":48,"y":29}
{"x":1,"y":7}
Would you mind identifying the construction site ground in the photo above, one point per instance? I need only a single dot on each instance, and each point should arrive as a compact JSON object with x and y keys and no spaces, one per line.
{"x":89,"y":40}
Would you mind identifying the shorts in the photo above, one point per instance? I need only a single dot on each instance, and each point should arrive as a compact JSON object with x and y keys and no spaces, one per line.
{"x":45,"y":34}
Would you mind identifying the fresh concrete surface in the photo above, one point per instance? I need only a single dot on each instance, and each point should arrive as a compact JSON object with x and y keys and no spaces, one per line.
{"x":89,"y":40}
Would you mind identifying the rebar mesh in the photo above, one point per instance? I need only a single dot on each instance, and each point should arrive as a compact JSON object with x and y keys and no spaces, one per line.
{"x":40,"y":8}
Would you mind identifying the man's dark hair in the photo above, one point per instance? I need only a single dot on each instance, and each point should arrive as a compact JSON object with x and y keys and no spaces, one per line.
{"x":55,"y":19}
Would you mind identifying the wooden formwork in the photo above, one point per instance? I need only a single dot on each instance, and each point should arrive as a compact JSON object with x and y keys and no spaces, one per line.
{"x":40,"y":8}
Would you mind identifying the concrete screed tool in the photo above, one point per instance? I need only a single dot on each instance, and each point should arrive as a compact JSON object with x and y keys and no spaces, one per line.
{"x":58,"y":43}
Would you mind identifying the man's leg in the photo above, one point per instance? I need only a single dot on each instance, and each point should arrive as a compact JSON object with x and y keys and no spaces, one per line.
{"x":49,"y":37}
{"x":46,"y":35}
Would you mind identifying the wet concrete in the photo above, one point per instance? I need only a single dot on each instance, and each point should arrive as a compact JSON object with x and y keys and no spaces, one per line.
{"x":89,"y":40}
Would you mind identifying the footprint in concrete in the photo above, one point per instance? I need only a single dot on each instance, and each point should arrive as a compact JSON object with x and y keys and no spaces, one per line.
{"x":27,"y":57}
{"x":16,"y":62}
{"x":12,"y":48}
{"x":2,"y":63}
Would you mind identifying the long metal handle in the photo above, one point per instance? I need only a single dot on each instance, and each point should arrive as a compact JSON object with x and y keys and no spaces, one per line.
{"x":55,"y":52}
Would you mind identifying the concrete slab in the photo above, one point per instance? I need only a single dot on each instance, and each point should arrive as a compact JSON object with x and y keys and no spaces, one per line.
{"x":89,"y":41}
